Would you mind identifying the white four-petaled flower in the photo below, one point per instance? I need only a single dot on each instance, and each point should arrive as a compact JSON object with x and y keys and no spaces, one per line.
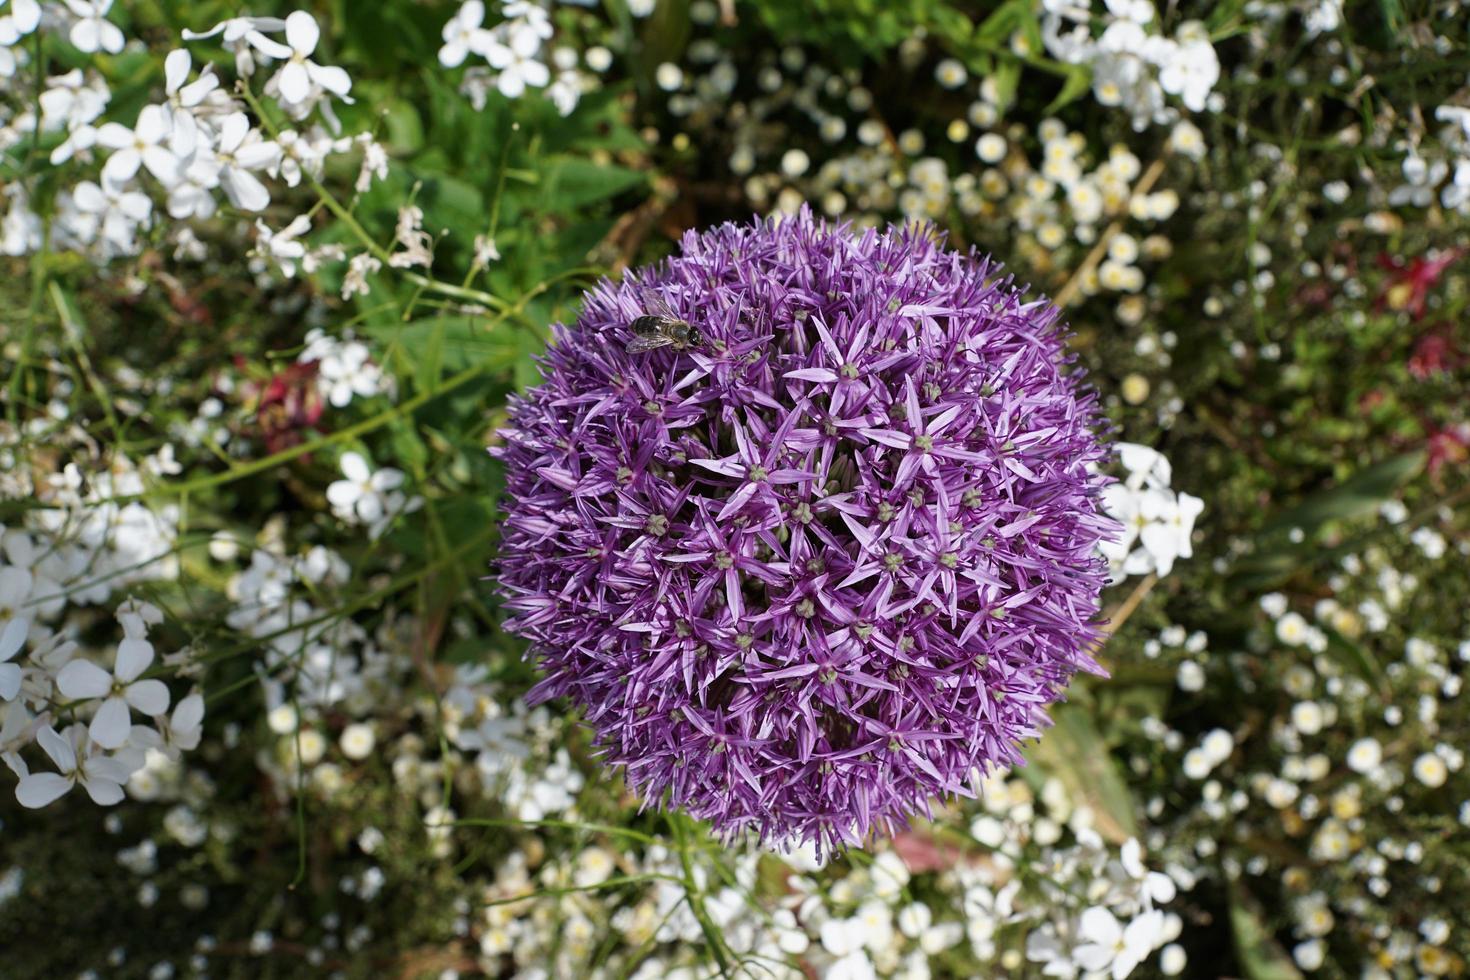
{"x":92,"y":31}
{"x":299,"y":77}
{"x":364,"y":495}
{"x":101,"y":776}
{"x":122,"y":689}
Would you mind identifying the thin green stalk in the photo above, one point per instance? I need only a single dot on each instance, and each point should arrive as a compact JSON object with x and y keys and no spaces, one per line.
{"x":680,"y":824}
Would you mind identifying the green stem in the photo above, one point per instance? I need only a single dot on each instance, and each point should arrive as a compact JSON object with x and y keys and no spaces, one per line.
{"x":681,"y":825}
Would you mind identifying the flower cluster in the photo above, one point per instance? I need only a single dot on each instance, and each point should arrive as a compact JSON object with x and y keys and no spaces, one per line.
{"x":820,"y":568}
{"x":1132,"y":68}
{"x":1158,"y":522}
{"x":1046,"y":193}
{"x":199,"y":147}
{"x":101,"y":748}
{"x":514,"y":51}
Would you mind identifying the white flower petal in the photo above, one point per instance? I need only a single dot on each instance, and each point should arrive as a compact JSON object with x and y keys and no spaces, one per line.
{"x":86,"y":35}
{"x":41,"y":789}
{"x":294,"y":82}
{"x":133,"y":657}
{"x":10,"y":677}
{"x":355,"y":467}
{"x":189,"y":714}
{"x":232,"y":133}
{"x":152,"y":124}
{"x":111,"y":37}
{"x":268,"y":46}
{"x":58,"y":747}
{"x":343,"y":493}
{"x":83,"y":679}
{"x":302,"y":32}
{"x":150,"y":697}
{"x":244,"y":189}
{"x":104,"y":792}
{"x":13,"y":637}
{"x":333,"y":79}
{"x":122,"y":166}
{"x":257,"y":156}
{"x":1100,"y":926}
{"x":176,"y":70}
{"x":111,"y":725}
{"x":114,"y":136}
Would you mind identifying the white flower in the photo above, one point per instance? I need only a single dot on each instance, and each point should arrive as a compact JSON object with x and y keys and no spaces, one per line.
{"x":1324,"y":17}
{"x":1365,"y":755}
{"x":362,"y":497}
{"x":1309,"y":955}
{"x":854,"y":966}
{"x":299,"y":77}
{"x":193,"y":195}
{"x":1144,"y":465}
{"x":1190,"y":73}
{"x":24,"y":16}
{"x":1110,"y":946}
{"x":184,"y":98}
{"x":1217,"y":745}
{"x":914,"y":919}
{"x":1307,"y":717}
{"x":1197,"y":764}
{"x":359,"y":267}
{"x":1430,"y":770}
{"x":240,"y":34}
{"x":513,"y":54}
{"x":1138,"y":11}
{"x":282,"y":246}
{"x":82,"y":679}
{"x":374,"y":162}
{"x":1292,"y":629}
{"x":841,"y":936}
{"x":566,"y":91}
{"x":357,"y":741}
{"x":143,"y":145}
{"x":101,"y":776}
{"x":116,"y":213}
{"x":345,"y":369}
{"x":238,"y":155}
{"x":12,"y":638}
{"x":92,"y":32}
{"x":1167,"y":537}
{"x":464,"y":35}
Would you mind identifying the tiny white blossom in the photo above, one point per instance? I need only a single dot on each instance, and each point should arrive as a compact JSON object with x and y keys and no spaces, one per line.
{"x":92,"y":31}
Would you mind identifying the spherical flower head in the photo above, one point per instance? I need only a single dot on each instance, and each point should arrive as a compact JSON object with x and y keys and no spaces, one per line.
{"x":828,"y":556}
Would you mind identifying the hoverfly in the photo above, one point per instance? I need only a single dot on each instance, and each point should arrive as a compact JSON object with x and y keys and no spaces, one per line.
{"x":660,"y":326}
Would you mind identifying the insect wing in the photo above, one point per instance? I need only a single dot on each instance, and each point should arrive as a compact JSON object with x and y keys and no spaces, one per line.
{"x":655,"y":304}
{"x":640,"y":344}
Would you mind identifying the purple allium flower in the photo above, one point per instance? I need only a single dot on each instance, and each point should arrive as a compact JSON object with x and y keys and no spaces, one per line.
{"x":830,"y":561}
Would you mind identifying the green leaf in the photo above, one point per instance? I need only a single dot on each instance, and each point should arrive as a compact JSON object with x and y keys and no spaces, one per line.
{"x":451,"y":344}
{"x":997,"y":28}
{"x":1261,"y":957}
{"x":1073,"y":750}
{"x":1007,"y":77}
{"x":1356,"y":658}
{"x":573,"y":183}
{"x":405,"y":128}
{"x":666,"y":33}
{"x":1078,"y":82}
{"x":1358,"y":496}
